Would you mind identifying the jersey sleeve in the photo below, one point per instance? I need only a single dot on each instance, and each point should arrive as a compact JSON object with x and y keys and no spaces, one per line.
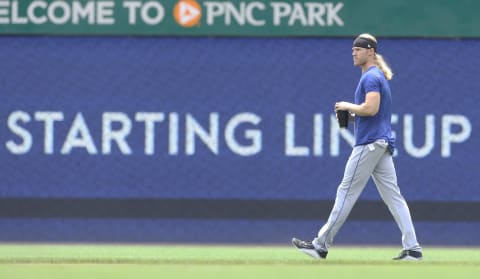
{"x":372,"y":84}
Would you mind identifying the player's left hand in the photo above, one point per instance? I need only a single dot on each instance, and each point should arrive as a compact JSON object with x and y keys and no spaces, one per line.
{"x":342,"y":106}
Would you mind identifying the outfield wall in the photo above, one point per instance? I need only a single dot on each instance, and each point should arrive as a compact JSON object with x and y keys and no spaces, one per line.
{"x":225,"y":139}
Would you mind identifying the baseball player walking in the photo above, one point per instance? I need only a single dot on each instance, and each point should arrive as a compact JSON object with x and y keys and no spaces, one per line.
{"x":371,"y":155}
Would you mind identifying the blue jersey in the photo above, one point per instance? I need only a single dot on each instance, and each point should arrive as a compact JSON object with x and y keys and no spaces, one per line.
{"x":371,"y":128}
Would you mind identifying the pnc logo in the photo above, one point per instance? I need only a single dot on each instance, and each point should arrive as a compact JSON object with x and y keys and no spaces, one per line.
{"x":187,"y":13}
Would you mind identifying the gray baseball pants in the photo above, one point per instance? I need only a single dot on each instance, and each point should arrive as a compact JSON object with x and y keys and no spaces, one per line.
{"x":369,"y":160}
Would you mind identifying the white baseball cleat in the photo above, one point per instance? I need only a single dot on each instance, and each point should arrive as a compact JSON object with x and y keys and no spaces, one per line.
{"x":308,"y":248}
{"x":409,"y":255}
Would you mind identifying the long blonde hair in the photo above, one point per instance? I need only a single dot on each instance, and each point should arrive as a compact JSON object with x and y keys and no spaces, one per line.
{"x":379,"y":61}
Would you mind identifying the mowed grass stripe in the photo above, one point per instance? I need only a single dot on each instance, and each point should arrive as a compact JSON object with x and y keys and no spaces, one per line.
{"x":229,"y":262}
{"x":202,"y":262}
{"x":105,"y":271}
{"x":221,"y":255}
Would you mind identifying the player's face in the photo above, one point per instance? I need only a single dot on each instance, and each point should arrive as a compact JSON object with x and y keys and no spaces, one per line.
{"x":360,"y":56}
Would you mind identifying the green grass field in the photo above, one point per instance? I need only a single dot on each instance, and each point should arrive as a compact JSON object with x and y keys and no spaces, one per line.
{"x":175,"y":261}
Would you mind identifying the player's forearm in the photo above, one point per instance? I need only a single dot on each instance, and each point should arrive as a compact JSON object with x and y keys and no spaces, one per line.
{"x":362,"y":110}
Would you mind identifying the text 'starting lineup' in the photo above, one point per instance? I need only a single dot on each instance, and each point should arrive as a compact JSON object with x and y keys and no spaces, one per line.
{"x":241,"y":134}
